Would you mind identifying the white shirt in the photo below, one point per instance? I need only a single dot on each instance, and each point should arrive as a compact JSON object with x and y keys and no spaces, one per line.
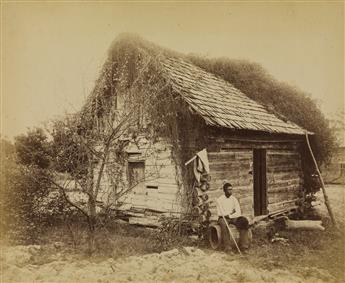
{"x":228,"y":206}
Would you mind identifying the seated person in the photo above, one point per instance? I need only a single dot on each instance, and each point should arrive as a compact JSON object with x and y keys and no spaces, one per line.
{"x":229,"y":207}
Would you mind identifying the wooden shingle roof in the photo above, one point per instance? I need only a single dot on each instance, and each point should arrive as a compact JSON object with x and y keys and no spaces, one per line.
{"x":219,"y":103}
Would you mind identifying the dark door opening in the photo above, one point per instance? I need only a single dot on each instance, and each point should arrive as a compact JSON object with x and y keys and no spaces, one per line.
{"x":260,"y":184}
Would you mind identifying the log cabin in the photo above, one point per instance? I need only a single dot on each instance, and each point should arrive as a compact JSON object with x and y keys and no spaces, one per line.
{"x":185,"y":110}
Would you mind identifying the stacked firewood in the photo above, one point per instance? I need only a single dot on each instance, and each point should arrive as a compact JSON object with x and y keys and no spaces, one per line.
{"x":201,"y":201}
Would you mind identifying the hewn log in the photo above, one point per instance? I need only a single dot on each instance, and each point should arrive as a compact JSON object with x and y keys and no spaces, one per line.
{"x":283,"y":176}
{"x":148,"y":221}
{"x":235,"y":177}
{"x":282,"y":197}
{"x":294,"y":181}
{"x":226,"y":155}
{"x":282,"y":188}
{"x":241,"y":146}
{"x":303,"y":225}
{"x":282,"y":205}
{"x":283,"y":168}
{"x":283,"y":152}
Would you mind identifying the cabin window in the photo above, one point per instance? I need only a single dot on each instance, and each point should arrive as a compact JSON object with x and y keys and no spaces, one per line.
{"x":136,"y":173}
{"x":259,"y":182}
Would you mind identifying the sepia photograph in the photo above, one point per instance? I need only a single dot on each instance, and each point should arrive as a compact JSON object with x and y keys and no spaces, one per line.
{"x":172,"y":141}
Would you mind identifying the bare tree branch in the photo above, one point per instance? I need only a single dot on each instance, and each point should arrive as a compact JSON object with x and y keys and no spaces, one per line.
{"x":62,"y":190}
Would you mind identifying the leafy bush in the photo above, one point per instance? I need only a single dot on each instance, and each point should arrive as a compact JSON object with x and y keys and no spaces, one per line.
{"x":28,"y":203}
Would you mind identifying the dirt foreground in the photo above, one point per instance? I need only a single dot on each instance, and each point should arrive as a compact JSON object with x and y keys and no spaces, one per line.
{"x":187,"y":264}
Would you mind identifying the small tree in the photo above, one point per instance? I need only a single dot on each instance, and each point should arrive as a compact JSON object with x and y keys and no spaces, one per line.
{"x":85,"y":146}
{"x":22,"y":190}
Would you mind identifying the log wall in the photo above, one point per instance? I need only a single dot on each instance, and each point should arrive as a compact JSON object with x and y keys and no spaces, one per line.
{"x":158,"y":193}
{"x":284,"y":178}
{"x":232,"y":165}
{"x":231,"y":158}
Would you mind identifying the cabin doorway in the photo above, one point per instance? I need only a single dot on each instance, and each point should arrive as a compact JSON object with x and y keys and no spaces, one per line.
{"x":259,"y":182}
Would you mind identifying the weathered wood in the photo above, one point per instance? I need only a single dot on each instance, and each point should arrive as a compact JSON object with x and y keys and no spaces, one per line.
{"x":147,"y":221}
{"x":278,"y":198}
{"x":251,"y":138}
{"x":239,"y":146}
{"x":278,"y":188}
{"x":164,"y":197}
{"x":225,"y":155}
{"x":283,"y":152}
{"x":246,"y":200}
{"x":167,"y":189}
{"x":284,"y":176}
{"x":282,"y":205}
{"x":234,"y":177}
{"x":245,"y":187}
{"x":303,"y":225}
{"x":295,"y":181}
{"x":284,"y":168}
{"x":239,"y":168}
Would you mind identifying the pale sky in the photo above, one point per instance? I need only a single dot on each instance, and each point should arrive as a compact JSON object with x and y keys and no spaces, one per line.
{"x":52,"y":52}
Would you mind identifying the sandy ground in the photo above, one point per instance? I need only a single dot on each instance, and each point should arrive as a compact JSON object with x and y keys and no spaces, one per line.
{"x":187,"y":264}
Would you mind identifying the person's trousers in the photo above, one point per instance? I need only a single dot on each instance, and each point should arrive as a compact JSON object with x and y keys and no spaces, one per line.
{"x":227,"y":241}
{"x":244,"y":238}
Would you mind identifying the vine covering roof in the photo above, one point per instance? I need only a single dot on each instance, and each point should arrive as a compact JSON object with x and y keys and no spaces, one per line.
{"x":219,"y":103}
{"x":216,"y":100}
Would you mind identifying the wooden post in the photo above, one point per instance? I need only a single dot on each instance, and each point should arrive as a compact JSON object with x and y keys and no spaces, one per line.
{"x":330,"y":212}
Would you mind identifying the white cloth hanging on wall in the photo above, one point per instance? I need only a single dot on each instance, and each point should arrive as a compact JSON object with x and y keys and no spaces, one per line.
{"x":201,"y":164}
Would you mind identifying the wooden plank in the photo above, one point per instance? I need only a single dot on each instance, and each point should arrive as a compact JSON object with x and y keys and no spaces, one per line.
{"x":253,"y":138}
{"x":281,"y":163}
{"x":272,"y":189}
{"x":294,"y":181}
{"x":161,"y":197}
{"x":238,"y":146}
{"x":167,"y":188}
{"x":231,"y":158}
{"x":284,"y":176}
{"x":286,"y":205}
{"x":230,"y":166}
{"x":284,"y":169}
{"x":231,"y":176}
{"x":166,"y":182}
{"x":228,"y":155}
{"x":248,"y":211}
{"x":166,"y":171}
{"x":282,"y":152}
{"x":144,"y":221}
{"x":246,"y":201}
{"x":274,"y":199}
